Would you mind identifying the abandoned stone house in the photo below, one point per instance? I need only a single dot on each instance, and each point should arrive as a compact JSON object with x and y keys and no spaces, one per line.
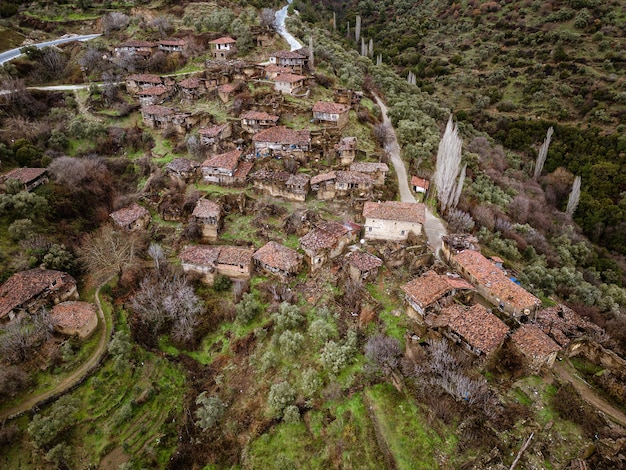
{"x":136,"y":82}
{"x":172,"y":45}
{"x":335,"y":184}
{"x":255,"y":121}
{"x":475,"y":328}
{"x":377,"y":171}
{"x":327,"y":241}
{"x":362,"y":266}
{"x":30,"y":178}
{"x":226,"y":168}
{"x":27,"y":291}
{"x":537,"y":347}
{"x":431,"y":292}
{"x":156,"y":116}
{"x":226,"y":91}
{"x":278,"y":259}
{"x":289,"y":83}
{"x":73,"y":318}
{"x":207,"y":214}
{"x":135,"y":47}
{"x":224,"y":47}
{"x":563,"y":325}
{"x":297,"y":61}
{"x":346,"y":150}
{"x":183,"y":170}
{"x":492,"y":283}
{"x":393,"y":220}
{"x":192,"y":88}
{"x":282,"y":184}
{"x":214,"y":135}
{"x":280,"y":140}
{"x":272,"y":71}
{"x":208,"y":261}
{"x":154,"y":95}
{"x":420,"y":185}
{"x":334,"y":114}
{"x":131,"y":218}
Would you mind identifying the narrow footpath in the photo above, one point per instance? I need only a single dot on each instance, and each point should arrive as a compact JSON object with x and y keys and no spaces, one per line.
{"x":433,"y":226}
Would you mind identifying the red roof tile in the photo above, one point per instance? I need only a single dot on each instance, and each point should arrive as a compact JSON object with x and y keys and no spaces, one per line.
{"x":152,"y":91}
{"x":235,"y":255}
{"x":533,"y":342}
{"x":480,"y":329}
{"x":227,"y":88}
{"x":353,"y":177}
{"x":330,"y":108}
{"x":288,"y":55}
{"x":363,"y":261}
{"x":72,"y":314}
{"x":278,"y":256}
{"x":201,"y":255}
{"x":427,"y":289}
{"x":563,"y":324}
{"x":394,"y":210}
{"x":331,"y":175}
{"x":24,"y":175}
{"x":227,"y":160}
{"x":173,"y":42}
{"x":283,"y":135}
{"x":420,"y":182}
{"x":190,"y":83}
{"x":213,"y":131}
{"x":273,"y":68}
{"x":327,"y":235}
{"x":243,"y":169}
{"x":259,"y":116}
{"x":223,"y":40}
{"x":289,"y":78}
{"x":157,"y":110}
{"x":128,"y":215}
{"x":205,"y":209}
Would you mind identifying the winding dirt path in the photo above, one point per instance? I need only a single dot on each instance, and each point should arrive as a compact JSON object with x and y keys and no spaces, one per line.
{"x":77,"y":376}
{"x":565,"y":371}
{"x":433,"y":226}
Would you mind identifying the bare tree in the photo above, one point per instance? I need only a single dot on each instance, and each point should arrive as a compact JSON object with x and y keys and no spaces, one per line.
{"x":162,"y":25}
{"x":155,"y":251}
{"x":543,"y":153}
{"x":384,"y":352}
{"x":267,"y":17}
{"x":91,"y":60}
{"x":448,"y":166}
{"x":106,"y":252}
{"x":114,"y":21}
{"x":459,"y":186}
{"x":381,"y":134}
{"x":53,"y":62}
{"x":370,"y":52}
{"x":574,"y":197}
{"x":19,"y":337}
{"x":357,"y":28}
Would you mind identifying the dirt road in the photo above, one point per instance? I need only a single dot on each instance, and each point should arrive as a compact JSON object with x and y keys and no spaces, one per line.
{"x":77,"y":376}
{"x":433,"y":226}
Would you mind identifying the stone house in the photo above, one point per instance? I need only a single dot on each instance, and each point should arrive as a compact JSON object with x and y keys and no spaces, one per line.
{"x":255,"y":121}
{"x":131,"y":218}
{"x":73,"y":318}
{"x":172,"y":45}
{"x":420,"y":185}
{"x":156,"y":116}
{"x":208,"y":215}
{"x":272,"y":71}
{"x":377,"y":171}
{"x":327,"y":241}
{"x":346,"y":150}
{"x":183,"y":169}
{"x":563,"y":325}
{"x":226,"y":91}
{"x":192,"y":88}
{"x":30,"y":178}
{"x":362,"y":265}
{"x":289,"y":83}
{"x":278,"y":259}
{"x":431,"y":292}
{"x":136,"y":82}
{"x":154,"y":95}
{"x":297,"y":61}
{"x":477,"y":329}
{"x":392,"y":220}
{"x":27,"y":291}
{"x":208,"y":261}
{"x":334,"y":114}
{"x":493,"y":284}
{"x":537,"y":347}
{"x":341,"y":184}
{"x":134,"y":47}
{"x":214,"y":135}
{"x":221,"y":168}
{"x":280,"y":139}
{"x":224,"y":47}
{"x":278,"y":183}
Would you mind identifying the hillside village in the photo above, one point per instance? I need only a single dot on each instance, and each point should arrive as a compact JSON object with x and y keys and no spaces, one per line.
{"x":282,"y":188}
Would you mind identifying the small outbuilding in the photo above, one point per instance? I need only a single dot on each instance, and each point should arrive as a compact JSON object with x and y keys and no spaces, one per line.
{"x":74,"y":318}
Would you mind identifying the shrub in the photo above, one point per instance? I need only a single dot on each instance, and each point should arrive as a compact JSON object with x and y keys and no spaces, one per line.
{"x":248,"y":308}
{"x":210,"y":412}
{"x":291,"y":415}
{"x":336,"y":356}
{"x":311,"y":382}
{"x":222,"y":283}
{"x":280,"y":397}
{"x":287,"y":317}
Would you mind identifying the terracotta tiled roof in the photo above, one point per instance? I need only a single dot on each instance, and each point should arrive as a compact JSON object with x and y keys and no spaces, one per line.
{"x":128,"y":215}
{"x":298,"y":179}
{"x":419,"y":182}
{"x":278,"y":256}
{"x":346,"y":143}
{"x":562,"y":324}
{"x":235,"y":255}
{"x":227,"y":88}
{"x":205,"y":209}
{"x":223,"y":40}
{"x":326,"y":235}
{"x":330,"y":108}
{"x":288,"y":55}
{"x":427,"y":289}
{"x":363,"y":261}
{"x":495,"y":280}
{"x":182,"y":165}
{"x":353,"y":177}
{"x":201,"y":255}
{"x":212,"y":131}
{"x":480,"y":328}
{"x":272,"y":176}
{"x":157,"y":110}
{"x":393,"y":210}
{"x":259,"y":116}
{"x":533,"y":342}
{"x":283,"y":135}
{"x":24,"y":175}
{"x":23,"y":286}
{"x":72,"y":314}
{"x":136,"y":43}
{"x":190,"y":83}
{"x":273,"y":68}
{"x":153,"y":91}
{"x":173,"y":42}
{"x":317,"y":179}
{"x":243,"y":169}
{"x":369,"y":167}
{"x":145,"y":78}
{"x":227,"y":160}
{"x":289,"y":78}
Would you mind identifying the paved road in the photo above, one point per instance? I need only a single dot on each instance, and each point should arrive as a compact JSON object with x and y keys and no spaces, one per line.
{"x":433,"y":226}
{"x":13,"y":53}
{"x":78,"y":375}
{"x":281,"y":29}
